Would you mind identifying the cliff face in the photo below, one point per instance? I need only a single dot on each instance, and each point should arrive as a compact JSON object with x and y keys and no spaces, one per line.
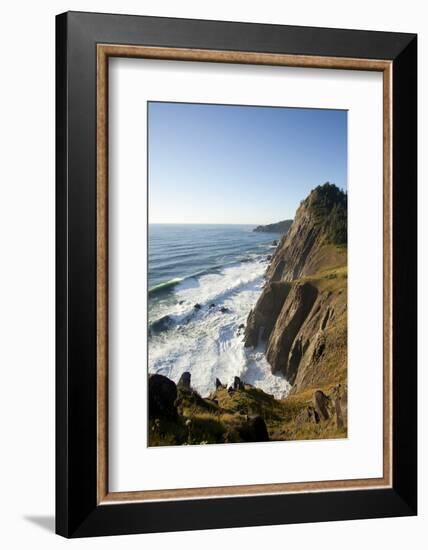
{"x":301,"y":315}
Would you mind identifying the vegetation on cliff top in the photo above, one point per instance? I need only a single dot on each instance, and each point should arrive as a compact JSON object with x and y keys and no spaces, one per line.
{"x":328,"y":205}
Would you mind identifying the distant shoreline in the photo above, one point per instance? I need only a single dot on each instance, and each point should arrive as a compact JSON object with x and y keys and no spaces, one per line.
{"x":207,"y":224}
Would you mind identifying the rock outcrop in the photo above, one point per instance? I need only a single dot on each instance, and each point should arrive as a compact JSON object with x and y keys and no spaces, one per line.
{"x":278,"y":227}
{"x":218,"y":384}
{"x":178,"y":415}
{"x":321,"y":402}
{"x":321,"y":219}
{"x":238,"y":384}
{"x":184,"y":381}
{"x":162,"y":395}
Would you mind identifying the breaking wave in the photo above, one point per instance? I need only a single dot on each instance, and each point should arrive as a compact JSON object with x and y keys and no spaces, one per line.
{"x":201,"y":330}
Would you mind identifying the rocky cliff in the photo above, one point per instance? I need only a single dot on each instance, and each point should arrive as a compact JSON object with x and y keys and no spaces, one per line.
{"x":301,"y":315}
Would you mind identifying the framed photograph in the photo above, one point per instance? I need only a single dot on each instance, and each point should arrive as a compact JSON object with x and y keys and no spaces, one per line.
{"x":236,"y":274}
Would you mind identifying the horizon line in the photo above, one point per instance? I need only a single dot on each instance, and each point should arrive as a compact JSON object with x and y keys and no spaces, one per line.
{"x":211,"y":223}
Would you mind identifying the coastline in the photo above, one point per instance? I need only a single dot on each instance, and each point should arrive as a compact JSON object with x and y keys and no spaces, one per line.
{"x":205,"y":315}
{"x":292,"y":329}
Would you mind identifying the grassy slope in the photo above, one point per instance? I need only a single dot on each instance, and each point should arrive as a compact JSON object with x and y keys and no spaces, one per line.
{"x":329,"y":275}
{"x":202,"y":421}
{"x":332,"y":277}
{"x":285,"y":420}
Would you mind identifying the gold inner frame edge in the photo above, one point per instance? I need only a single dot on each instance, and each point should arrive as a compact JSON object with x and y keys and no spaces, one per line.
{"x":104,"y":51}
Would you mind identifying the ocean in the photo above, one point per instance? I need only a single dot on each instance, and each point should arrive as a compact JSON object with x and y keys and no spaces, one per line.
{"x":203,"y":282}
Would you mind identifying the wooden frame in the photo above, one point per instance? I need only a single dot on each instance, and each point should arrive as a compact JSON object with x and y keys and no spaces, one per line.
{"x":84,"y":504}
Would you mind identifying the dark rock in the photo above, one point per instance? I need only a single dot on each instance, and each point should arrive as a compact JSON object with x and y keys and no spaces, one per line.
{"x":218,"y":384}
{"x":230,"y":390}
{"x":184,"y":381}
{"x":197,"y":306}
{"x":275,"y":243}
{"x":164,"y":323}
{"x":321,"y":402}
{"x":238,"y":384}
{"x":224,"y":309}
{"x":181,"y":302}
{"x":269,"y":257}
{"x":212,"y":305}
{"x":241,"y":330}
{"x":162,"y":396}
{"x":254,"y":429}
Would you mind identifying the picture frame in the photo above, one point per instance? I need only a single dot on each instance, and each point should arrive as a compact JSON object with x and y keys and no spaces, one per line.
{"x":84,"y":44}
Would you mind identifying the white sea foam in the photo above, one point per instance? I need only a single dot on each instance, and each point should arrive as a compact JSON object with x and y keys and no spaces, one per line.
{"x":208,"y":343}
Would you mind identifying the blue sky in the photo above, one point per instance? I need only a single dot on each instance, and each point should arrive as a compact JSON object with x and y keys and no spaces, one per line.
{"x":238,"y":164}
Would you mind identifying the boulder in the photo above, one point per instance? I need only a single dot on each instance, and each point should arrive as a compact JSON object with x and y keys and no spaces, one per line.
{"x":197,"y":306}
{"x":160,"y":325}
{"x":238,"y":384}
{"x":212,"y":305}
{"x":224,"y":309}
{"x":184,"y":381}
{"x":218,"y":384}
{"x":241,"y":330}
{"x":162,"y":395}
{"x":321,"y":403}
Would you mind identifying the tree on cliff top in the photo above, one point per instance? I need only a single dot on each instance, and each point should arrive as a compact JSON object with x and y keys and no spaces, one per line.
{"x":329,"y":206}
